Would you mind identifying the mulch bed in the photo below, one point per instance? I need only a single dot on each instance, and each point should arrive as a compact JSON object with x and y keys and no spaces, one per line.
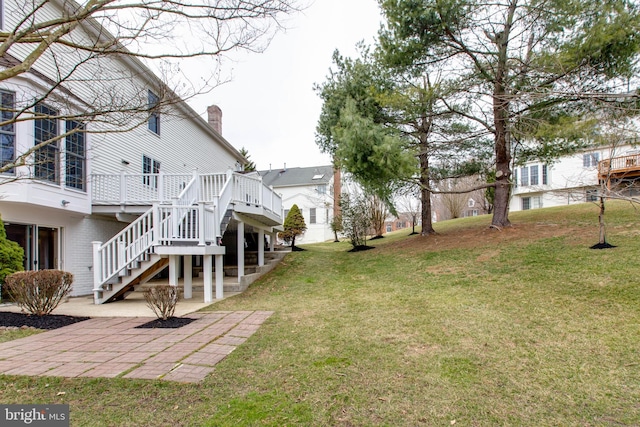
{"x":48,"y":321}
{"x":170,"y":323}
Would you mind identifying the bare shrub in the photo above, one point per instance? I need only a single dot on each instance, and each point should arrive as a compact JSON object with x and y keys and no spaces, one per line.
{"x":162,"y":299}
{"x":39,"y":292}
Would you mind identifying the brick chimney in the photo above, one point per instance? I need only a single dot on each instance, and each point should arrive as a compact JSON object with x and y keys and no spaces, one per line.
{"x":215,"y":118}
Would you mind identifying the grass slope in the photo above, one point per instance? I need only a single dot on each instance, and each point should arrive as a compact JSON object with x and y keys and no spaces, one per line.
{"x":473,"y":327}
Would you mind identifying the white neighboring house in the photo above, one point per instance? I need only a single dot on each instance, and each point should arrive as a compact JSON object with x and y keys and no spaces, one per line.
{"x":314,"y":190}
{"x":574,"y":178}
{"x":115,"y":208}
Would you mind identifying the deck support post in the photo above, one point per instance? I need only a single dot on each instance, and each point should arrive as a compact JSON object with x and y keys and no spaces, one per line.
{"x":188,"y":276}
{"x":207,"y":268}
{"x":219,"y":277}
{"x":174,"y":269}
{"x":260,"y":247}
{"x":240,"y":250}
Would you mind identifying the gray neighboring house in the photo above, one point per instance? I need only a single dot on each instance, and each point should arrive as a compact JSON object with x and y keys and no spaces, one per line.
{"x":315,"y":190}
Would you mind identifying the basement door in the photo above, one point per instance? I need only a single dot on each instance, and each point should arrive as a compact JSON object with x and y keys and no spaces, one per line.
{"x":41,"y":245}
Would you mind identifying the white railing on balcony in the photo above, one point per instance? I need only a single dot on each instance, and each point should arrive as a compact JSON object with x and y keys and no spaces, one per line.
{"x":211,"y":186}
{"x":137,"y":188}
{"x":141,"y":189}
{"x":187,"y":224}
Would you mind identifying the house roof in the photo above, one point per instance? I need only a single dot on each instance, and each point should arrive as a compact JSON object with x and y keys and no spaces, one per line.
{"x":294,"y":177}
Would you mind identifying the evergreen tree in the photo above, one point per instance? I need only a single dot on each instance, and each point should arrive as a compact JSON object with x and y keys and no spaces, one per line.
{"x":533,"y":70}
{"x":294,"y":226}
{"x":250,"y":166}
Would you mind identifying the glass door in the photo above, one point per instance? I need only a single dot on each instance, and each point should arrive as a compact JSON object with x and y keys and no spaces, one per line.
{"x":40,"y":245}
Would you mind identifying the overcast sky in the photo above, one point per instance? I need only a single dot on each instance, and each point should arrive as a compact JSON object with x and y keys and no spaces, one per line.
{"x":270,"y":107}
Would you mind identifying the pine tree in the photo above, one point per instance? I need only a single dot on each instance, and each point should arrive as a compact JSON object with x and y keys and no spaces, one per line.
{"x":294,"y":226}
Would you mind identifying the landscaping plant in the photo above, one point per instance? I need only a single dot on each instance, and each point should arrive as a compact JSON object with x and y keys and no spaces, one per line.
{"x":39,"y":292}
{"x":11,"y":255}
{"x":162,"y":299}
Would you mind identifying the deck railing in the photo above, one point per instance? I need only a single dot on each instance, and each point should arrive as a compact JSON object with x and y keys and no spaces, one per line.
{"x":619,"y":164}
{"x":147,"y":189}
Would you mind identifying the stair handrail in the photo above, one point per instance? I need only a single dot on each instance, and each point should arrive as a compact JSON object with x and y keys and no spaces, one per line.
{"x":189,"y":194}
{"x":125,"y":247}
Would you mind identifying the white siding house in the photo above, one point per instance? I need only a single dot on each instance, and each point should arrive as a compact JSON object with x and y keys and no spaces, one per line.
{"x":313,"y":190}
{"x":117,"y":201}
{"x":570,"y":179}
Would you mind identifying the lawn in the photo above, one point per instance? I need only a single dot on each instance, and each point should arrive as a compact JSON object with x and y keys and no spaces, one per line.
{"x":472,"y":327}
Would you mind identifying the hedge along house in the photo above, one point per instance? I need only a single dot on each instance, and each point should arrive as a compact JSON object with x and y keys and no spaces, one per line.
{"x":117,"y":199}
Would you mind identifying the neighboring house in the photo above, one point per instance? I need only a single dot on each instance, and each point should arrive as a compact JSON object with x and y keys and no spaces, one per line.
{"x":116,"y":208}
{"x":402,"y":221}
{"x":575,"y":178}
{"x":449,"y":206}
{"x":314,"y":189}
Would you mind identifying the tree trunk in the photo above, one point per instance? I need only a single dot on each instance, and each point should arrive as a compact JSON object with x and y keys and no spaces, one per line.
{"x":425,"y":193}
{"x":426,"y":214}
{"x":503,"y":158}
{"x":501,"y":107}
{"x":602,"y":238}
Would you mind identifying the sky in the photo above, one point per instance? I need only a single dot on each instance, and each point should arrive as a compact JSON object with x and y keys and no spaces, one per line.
{"x":270,"y":107}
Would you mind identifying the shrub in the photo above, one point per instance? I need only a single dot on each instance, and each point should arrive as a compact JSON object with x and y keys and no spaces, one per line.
{"x":39,"y":292}
{"x":162,"y":299}
{"x":356,"y":219}
{"x":11,"y":255}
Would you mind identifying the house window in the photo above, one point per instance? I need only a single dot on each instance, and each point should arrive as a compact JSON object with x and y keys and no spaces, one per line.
{"x":75,"y":165}
{"x":534,"y":202}
{"x":545,"y":175}
{"x":286,"y":212}
{"x":590,"y":159}
{"x":389,"y":228}
{"x":471,"y":203}
{"x":591,"y":195}
{"x":472,"y":212}
{"x":7,"y":131}
{"x":321,"y":189}
{"x":312,"y":216}
{"x":46,"y":157}
{"x":150,"y":166}
{"x":524,"y":176}
{"x":533,"y":175}
{"x":154,"y":114}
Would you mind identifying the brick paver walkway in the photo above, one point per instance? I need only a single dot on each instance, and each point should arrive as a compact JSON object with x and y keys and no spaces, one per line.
{"x":113,"y":347}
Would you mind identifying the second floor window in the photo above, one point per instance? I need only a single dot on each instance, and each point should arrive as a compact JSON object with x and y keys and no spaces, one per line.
{"x":154,"y":114}
{"x":75,"y":155}
{"x":150,"y":166}
{"x":46,"y":158}
{"x":312,"y":216}
{"x":524,"y":176}
{"x":590,"y":159}
{"x":7,"y":131}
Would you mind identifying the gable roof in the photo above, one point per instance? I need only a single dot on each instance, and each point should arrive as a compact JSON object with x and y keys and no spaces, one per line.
{"x":293,"y":177}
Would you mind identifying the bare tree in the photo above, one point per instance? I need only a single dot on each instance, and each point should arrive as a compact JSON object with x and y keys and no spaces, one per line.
{"x":455,"y":194}
{"x":410,"y":205}
{"x":89,"y":62}
{"x":618,"y":176}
